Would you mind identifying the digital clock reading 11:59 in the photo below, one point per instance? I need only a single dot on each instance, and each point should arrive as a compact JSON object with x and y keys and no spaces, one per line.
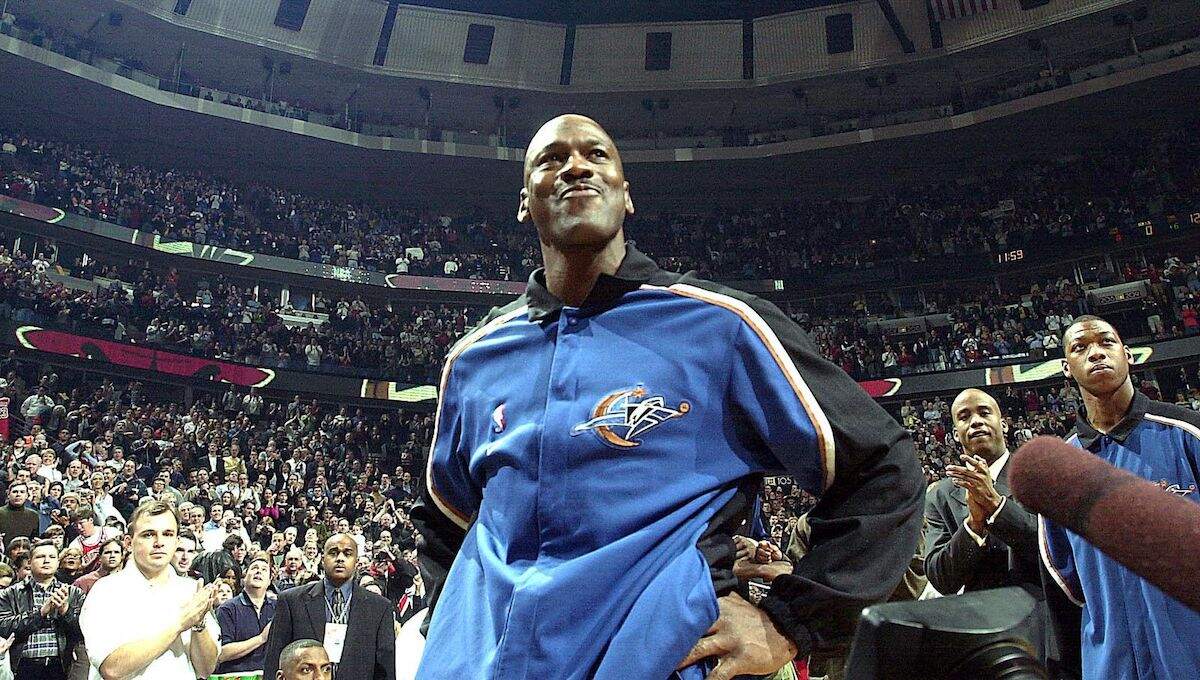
{"x":1010,"y":256}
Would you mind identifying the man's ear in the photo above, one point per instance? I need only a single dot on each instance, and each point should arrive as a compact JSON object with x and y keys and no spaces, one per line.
{"x":1066,"y":369}
{"x":628,"y":200}
{"x":523,"y":206}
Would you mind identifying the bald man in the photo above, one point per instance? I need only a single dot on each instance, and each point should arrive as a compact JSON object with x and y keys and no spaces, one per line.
{"x":977,"y":535}
{"x":599,"y":441}
{"x":355,"y":625}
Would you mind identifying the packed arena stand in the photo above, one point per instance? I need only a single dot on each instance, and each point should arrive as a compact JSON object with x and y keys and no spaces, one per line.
{"x":1096,"y":196}
{"x":96,"y":421}
{"x":258,"y":471}
{"x":1100,"y":198}
{"x":224,"y":321}
{"x":219,"y":319}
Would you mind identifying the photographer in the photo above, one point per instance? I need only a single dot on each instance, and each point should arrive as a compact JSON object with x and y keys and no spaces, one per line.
{"x":384,"y":570}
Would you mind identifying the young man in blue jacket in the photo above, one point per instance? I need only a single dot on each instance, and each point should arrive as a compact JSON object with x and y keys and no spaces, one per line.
{"x":1119,"y":625}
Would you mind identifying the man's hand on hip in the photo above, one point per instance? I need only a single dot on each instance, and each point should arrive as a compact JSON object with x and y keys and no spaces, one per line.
{"x":743,"y":640}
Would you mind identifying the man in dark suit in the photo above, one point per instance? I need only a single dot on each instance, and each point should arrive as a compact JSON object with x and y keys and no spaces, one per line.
{"x":354,"y":625}
{"x":978,"y":536}
{"x":214,"y":462}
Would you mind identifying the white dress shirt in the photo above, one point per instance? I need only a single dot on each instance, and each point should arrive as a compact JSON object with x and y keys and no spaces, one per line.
{"x":124,"y":607}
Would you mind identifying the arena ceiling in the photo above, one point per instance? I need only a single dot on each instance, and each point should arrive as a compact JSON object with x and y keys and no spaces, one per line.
{"x":236,"y":66}
{"x":52,"y":104}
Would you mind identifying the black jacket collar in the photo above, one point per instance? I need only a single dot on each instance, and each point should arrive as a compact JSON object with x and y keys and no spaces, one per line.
{"x":1088,"y":435}
{"x":635,"y":270}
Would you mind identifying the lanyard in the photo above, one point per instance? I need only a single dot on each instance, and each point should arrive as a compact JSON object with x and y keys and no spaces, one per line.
{"x":345,"y":609}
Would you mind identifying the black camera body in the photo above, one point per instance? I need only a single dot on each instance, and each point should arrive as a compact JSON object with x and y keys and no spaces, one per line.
{"x":976,"y":636}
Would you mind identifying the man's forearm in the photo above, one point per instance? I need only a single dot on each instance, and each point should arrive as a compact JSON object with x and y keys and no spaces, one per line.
{"x":202,"y":651}
{"x":132,"y":657}
{"x":236,"y":650}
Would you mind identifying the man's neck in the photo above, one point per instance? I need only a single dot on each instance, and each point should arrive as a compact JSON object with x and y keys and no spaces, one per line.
{"x":1105,"y":411}
{"x":994,"y":455}
{"x":12,"y":506}
{"x":45,"y":581}
{"x":570,"y":276}
{"x":256,"y":595}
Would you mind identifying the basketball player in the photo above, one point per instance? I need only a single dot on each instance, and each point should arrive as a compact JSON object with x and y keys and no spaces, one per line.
{"x":599,"y":439}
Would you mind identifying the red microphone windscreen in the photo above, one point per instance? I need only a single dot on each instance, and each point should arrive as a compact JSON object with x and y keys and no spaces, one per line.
{"x":1153,"y":533}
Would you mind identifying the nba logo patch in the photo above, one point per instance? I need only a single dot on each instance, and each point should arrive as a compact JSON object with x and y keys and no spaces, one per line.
{"x":498,"y":421}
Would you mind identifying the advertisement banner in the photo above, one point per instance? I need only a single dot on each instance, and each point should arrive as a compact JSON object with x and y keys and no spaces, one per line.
{"x":4,"y":422}
{"x":202,"y":370}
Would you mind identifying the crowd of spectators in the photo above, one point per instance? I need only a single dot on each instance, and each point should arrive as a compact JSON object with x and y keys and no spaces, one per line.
{"x":970,"y":324}
{"x":252,"y":476}
{"x":245,"y":477}
{"x":973,"y":323}
{"x":1094,"y":199}
{"x":219,"y":319}
{"x":406,"y":342}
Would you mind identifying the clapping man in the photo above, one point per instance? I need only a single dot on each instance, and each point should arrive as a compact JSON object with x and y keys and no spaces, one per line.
{"x":978,"y":536}
{"x":173,"y":635}
{"x":43,"y":615}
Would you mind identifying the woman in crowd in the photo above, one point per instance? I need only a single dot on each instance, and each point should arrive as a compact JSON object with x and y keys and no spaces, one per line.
{"x":70,"y":564}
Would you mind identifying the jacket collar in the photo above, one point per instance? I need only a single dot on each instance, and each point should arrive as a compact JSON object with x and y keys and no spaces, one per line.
{"x":635,"y":270}
{"x":29,"y":583}
{"x":1088,"y":435}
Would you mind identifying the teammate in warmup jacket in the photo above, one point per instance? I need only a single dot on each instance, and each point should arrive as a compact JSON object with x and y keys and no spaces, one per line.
{"x":1123,"y":627}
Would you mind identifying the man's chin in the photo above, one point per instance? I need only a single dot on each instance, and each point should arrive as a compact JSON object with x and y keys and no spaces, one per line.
{"x":578,"y":235}
{"x":1105,"y":382}
{"x":983,"y":449}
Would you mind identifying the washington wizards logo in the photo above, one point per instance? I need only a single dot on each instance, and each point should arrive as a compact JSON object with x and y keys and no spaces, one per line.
{"x":622,"y":416}
{"x":1175,"y":489}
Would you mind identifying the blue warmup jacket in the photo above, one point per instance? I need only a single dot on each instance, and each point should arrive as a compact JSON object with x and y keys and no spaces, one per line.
{"x":589,"y":465}
{"x":1130,"y":630}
